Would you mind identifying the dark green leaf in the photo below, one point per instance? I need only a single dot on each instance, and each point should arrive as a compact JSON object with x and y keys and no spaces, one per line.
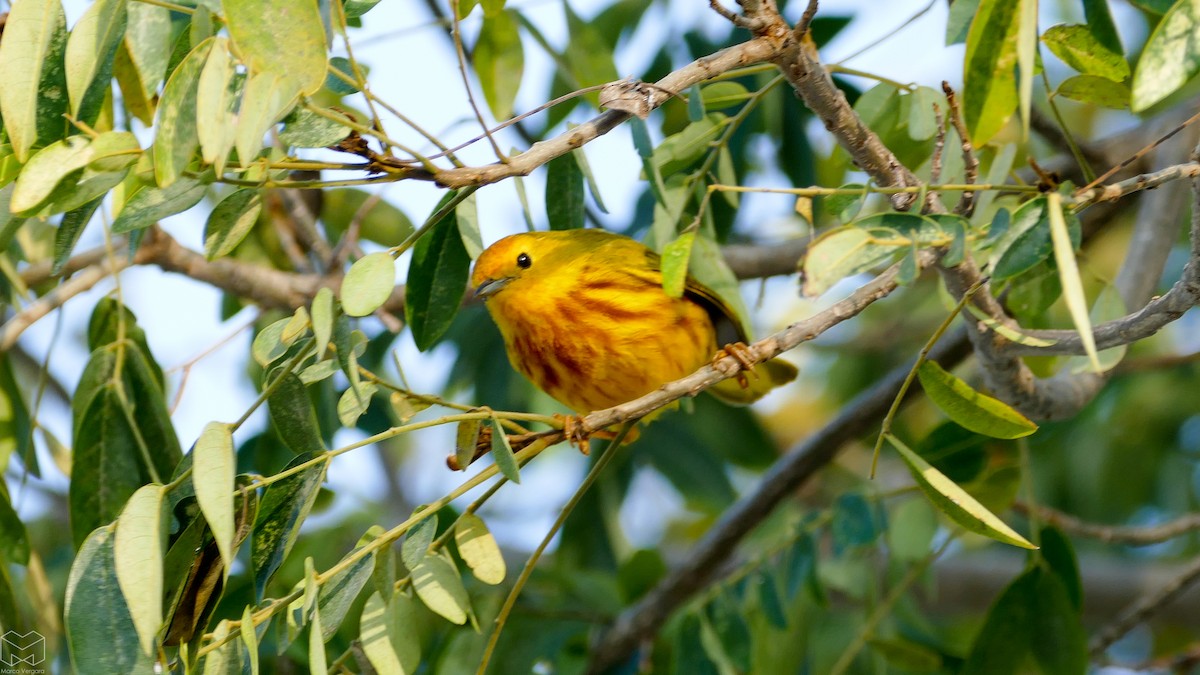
{"x":564,"y":193}
{"x":100,"y":630}
{"x":69,"y":229}
{"x":1100,"y":22}
{"x":337,"y":84}
{"x":689,"y":654}
{"x":417,"y":541}
{"x":284,"y":506}
{"x":339,"y":592}
{"x":854,"y":522}
{"x":769,"y":602}
{"x":437,"y":280}
{"x":14,"y":541}
{"x":1005,"y":639}
{"x":1059,"y":555}
{"x":16,"y":426}
{"x":732,"y":632}
{"x":150,"y":205}
{"x":962,"y":12}
{"x":1060,"y":643}
{"x":293,"y":416}
{"x":499,"y":62}
{"x":304,"y":128}
{"x":107,"y":466}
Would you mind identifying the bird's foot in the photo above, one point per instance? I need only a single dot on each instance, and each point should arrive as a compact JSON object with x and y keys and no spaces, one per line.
{"x":575,"y":433}
{"x":739,"y":352}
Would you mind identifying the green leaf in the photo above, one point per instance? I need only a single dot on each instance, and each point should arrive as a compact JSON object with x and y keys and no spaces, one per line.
{"x":678,"y":151}
{"x":316,"y":646}
{"x":139,"y":546}
{"x":293,"y":416}
{"x":249,"y":638}
{"x":438,"y":585}
{"x":1027,"y":36}
{"x":466,"y":437}
{"x":281,"y":512}
{"x":1058,"y":554}
{"x":953,"y":501}
{"x":1170,"y":59}
{"x":689,"y":653}
{"x":369,"y":283}
{"x":1108,"y":307}
{"x":14,"y":540}
{"x":1068,"y":275}
{"x":100,"y":631}
{"x":417,"y":541}
{"x":16,"y":426}
{"x":339,"y":592}
{"x":1026,"y":242}
{"x":842,"y":253}
{"x":1060,"y":645}
{"x":769,"y":602}
{"x":990,"y":86}
{"x":107,"y":466}
{"x":354,"y":402}
{"x":502,"y":453}
{"x":845,"y":207}
{"x":564,"y":193}
{"x":304,"y":128}
{"x":150,"y":205}
{"x":854,"y":522}
{"x":1079,"y":48}
{"x":732,"y":632}
{"x":91,"y":49}
{"x":214,"y":463}
{"x":959,"y":22}
{"x":356,"y":8}
{"x":147,"y":47}
{"x":268,"y":345}
{"x":1004,"y":640}
{"x":1100,"y":22}
{"x":499,"y":62}
{"x":675,"y":257}
{"x":285,"y":39}
{"x":176,"y":138}
{"x":478,"y":548}
{"x":226,"y":659}
{"x":721,"y":95}
{"x":906,"y":655}
{"x":969,"y":408}
{"x":30,"y":67}
{"x":437,"y":280}
{"x":45,"y":170}
{"x":266,"y":98}
{"x":230,"y":221}
{"x":215,"y":128}
{"x":911,"y":528}
{"x":323,"y":313}
{"x":1095,"y":89}
{"x":385,"y":631}
{"x":466,"y":215}
{"x":340,"y":66}
{"x":922,"y":124}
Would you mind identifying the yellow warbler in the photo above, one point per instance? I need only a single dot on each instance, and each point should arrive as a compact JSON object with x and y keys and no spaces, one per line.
{"x":584,"y":316}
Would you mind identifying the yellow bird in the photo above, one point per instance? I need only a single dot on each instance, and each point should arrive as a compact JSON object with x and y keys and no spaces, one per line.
{"x":585,"y":317}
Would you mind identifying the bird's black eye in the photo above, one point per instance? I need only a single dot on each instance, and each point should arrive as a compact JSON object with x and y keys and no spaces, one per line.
{"x":524,"y":261}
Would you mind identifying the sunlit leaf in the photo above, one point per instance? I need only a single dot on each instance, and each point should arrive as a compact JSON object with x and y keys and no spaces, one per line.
{"x":368,"y":284}
{"x":954,"y":502}
{"x":139,"y":546}
{"x":975,"y":411}
{"x":478,"y":549}
{"x":214,"y":464}
{"x":438,"y":585}
{"x":1068,"y":274}
{"x":1171,"y":56}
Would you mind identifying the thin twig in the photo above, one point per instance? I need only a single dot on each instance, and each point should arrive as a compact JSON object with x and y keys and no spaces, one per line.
{"x":1130,"y":535}
{"x":966,"y":203}
{"x":456,"y":33}
{"x":1143,"y":608}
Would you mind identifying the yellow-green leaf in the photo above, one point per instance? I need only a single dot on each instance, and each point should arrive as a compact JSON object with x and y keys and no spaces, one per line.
{"x":969,"y":408}
{"x":176,"y":138}
{"x":953,"y":501}
{"x":1171,"y":57}
{"x":1068,"y":275}
{"x":438,"y":585}
{"x":283,"y":38}
{"x":139,"y":546}
{"x":990,"y":86}
{"x":368,"y":284}
{"x":478,"y":549}
{"x":214,"y":465}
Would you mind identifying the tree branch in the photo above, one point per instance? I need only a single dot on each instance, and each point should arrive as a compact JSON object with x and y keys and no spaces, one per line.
{"x":1112,"y":534}
{"x":643,"y":620}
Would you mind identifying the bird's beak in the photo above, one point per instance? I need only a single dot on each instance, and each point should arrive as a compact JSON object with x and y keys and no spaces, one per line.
{"x":491,"y":287}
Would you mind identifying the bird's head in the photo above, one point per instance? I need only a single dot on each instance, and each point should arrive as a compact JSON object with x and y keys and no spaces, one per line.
{"x":511,"y":259}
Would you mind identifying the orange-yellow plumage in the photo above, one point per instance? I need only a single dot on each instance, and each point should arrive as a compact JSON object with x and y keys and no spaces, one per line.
{"x":584,"y":316}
